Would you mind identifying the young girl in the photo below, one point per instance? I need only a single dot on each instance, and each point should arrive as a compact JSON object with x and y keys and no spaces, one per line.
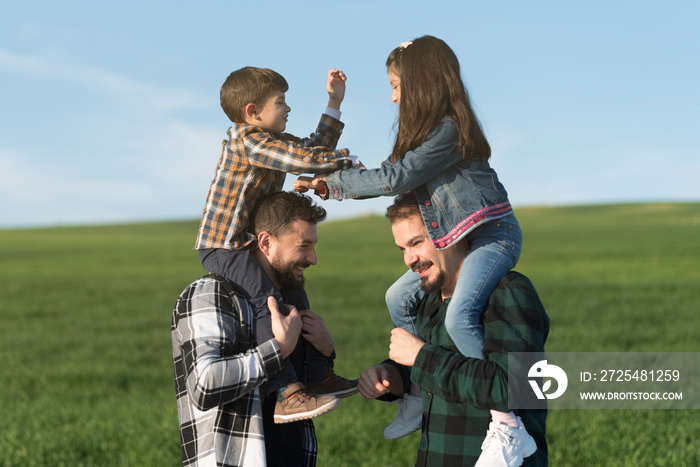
{"x":442,"y":155}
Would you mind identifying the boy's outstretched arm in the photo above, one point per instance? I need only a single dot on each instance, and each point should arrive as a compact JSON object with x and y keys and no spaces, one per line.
{"x":336,"y":88}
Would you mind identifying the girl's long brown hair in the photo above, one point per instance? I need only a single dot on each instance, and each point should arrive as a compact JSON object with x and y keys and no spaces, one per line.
{"x":431,"y":89}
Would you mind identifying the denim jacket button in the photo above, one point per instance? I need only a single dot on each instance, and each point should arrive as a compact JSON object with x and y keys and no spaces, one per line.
{"x":427,"y":202}
{"x":434,"y":224}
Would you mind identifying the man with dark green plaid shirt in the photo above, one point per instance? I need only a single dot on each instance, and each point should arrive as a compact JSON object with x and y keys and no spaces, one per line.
{"x":457,"y":392}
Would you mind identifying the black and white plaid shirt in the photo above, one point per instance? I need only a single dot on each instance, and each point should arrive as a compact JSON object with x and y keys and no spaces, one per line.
{"x":217,"y":375}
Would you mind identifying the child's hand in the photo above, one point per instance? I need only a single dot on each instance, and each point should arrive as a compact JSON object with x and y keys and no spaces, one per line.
{"x":336,"y":88}
{"x":304,"y":184}
{"x":318,"y":184}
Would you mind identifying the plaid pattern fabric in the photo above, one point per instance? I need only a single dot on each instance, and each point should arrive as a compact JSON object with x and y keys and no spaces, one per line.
{"x":217,"y":374}
{"x":310,"y":446}
{"x":294,"y":444}
{"x":253,"y":163}
{"x":453,"y":385}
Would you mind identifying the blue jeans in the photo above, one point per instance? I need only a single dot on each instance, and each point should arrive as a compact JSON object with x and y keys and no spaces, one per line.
{"x":494,"y":250}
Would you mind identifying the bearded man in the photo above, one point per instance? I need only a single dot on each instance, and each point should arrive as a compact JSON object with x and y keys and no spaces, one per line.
{"x":226,"y":414}
{"x":285,"y":226}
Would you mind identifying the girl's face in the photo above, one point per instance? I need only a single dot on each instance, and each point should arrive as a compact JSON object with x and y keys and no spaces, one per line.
{"x":395,"y":82}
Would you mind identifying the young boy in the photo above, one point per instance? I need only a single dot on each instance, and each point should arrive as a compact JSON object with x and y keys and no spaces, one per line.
{"x":254,"y":161}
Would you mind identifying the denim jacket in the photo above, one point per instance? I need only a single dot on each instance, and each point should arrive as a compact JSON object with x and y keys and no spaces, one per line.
{"x":455,"y":196}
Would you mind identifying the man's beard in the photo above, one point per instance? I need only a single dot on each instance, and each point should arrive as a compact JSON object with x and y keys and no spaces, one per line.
{"x":285,"y":275}
{"x":430,"y":287}
{"x":425,"y":285}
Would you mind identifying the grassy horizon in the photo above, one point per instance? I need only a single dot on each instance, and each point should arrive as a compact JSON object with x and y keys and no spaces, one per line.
{"x":87,"y":366}
{"x":188,"y":221}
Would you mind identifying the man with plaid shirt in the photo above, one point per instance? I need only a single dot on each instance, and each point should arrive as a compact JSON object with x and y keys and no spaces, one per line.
{"x":457,"y":392}
{"x":220,"y":365}
{"x":218,"y":369}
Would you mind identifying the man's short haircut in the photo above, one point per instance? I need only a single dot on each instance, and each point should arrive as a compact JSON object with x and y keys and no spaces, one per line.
{"x":249,"y":85}
{"x":275,"y":213}
{"x":404,"y":207}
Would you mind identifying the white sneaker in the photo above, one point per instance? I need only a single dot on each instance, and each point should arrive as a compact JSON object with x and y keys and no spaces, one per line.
{"x":408,"y":419}
{"x":506,"y":446}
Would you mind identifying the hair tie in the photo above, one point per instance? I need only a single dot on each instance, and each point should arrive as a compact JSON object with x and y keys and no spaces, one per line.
{"x":403,"y":45}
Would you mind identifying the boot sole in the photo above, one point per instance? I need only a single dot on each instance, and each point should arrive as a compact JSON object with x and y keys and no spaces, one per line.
{"x":342,"y":393}
{"x":401,"y":434}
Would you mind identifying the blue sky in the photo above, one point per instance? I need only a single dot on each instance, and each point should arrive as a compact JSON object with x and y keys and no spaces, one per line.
{"x":110,"y":111}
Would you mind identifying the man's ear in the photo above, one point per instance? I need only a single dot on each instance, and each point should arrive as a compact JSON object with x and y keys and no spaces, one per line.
{"x":265,"y":240}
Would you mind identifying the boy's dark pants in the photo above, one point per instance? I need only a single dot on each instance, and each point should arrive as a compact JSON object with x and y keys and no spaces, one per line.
{"x":241,"y":268}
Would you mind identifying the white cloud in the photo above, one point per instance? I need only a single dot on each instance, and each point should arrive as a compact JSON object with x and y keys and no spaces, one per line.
{"x":137,"y":162}
{"x":138,"y":94}
{"x":47,"y":194}
{"x":162,"y":173}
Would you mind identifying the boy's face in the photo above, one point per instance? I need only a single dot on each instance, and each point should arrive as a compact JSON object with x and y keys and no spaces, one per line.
{"x":272,"y":115}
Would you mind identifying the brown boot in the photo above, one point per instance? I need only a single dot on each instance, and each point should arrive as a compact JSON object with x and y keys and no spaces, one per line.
{"x":334,"y":385}
{"x":298,"y":404}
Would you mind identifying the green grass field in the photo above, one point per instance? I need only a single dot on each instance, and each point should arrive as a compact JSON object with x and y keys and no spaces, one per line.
{"x":86,"y":375}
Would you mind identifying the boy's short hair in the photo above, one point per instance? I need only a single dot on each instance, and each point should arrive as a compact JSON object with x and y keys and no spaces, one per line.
{"x":274,"y":213}
{"x":249,"y":85}
{"x":405,"y":206}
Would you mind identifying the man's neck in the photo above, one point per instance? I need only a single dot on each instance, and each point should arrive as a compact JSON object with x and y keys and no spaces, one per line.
{"x":447,"y":292}
{"x":266,"y":266}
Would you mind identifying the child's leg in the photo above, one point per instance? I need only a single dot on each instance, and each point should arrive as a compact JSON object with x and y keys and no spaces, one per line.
{"x":240,"y":267}
{"x":402,"y":299}
{"x":315,"y":363}
{"x":314,"y":369}
{"x":494,"y":250}
{"x":504,"y":418}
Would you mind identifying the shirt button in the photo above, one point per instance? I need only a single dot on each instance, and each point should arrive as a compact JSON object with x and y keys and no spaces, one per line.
{"x":434,"y":224}
{"x":427,"y":202}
